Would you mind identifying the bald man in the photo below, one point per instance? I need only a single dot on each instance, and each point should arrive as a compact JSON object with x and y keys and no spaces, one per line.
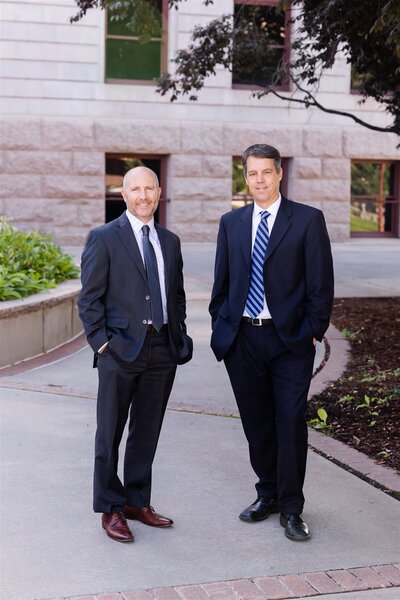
{"x":133,"y":309}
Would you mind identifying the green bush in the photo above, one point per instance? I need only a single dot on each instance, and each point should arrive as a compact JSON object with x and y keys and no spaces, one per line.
{"x":30,"y":262}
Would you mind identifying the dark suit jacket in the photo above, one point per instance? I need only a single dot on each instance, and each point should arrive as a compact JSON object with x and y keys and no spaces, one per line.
{"x":113,"y":305}
{"x":298,"y":276}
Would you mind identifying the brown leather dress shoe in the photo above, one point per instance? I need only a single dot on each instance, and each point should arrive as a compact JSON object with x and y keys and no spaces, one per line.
{"x":147,"y":515}
{"x":116,"y":527}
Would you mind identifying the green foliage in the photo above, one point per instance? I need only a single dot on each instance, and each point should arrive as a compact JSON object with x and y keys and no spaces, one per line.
{"x":349,"y":335}
{"x":30,"y":262}
{"x":346,"y":399}
{"x":367,"y":404}
{"x":321,"y":422}
{"x":238,"y":183}
{"x":368,"y":32}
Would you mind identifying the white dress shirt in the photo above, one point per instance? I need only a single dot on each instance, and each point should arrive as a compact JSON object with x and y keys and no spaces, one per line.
{"x":273,"y":211}
{"x":137,"y":230}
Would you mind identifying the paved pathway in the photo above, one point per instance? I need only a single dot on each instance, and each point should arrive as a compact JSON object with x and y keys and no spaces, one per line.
{"x":52,"y":545}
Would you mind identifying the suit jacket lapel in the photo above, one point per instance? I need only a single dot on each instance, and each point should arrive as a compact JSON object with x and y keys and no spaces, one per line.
{"x":166,"y":249}
{"x":245,"y":227}
{"x":129,"y":241}
{"x":282,"y":224}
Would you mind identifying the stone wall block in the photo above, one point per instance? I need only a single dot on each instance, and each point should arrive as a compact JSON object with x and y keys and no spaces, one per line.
{"x":184,"y":165}
{"x":336,"y":212}
{"x":212,"y":210}
{"x":306,"y":168}
{"x":112,"y":135}
{"x":44,"y":163}
{"x":35,"y":211}
{"x":322,"y":142}
{"x":2,"y":161}
{"x":197,"y":232}
{"x":23,"y":186}
{"x":338,"y":232}
{"x":88,"y":163}
{"x":66,"y":213}
{"x":184,"y":211}
{"x":217,"y":166}
{"x":67,"y":134}
{"x":362,"y":143}
{"x":200,"y":189}
{"x":201,"y":138}
{"x":20,"y":134}
{"x":336,"y":168}
{"x":314,"y":203}
{"x":321,"y":189}
{"x":237,"y":137}
{"x":70,"y":235}
{"x":91,"y":213}
{"x":80,"y":186}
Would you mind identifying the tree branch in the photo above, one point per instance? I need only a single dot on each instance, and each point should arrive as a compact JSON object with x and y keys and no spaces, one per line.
{"x":310,"y":100}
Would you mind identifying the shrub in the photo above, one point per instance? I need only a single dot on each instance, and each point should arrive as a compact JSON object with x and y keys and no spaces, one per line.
{"x":30,"y":262}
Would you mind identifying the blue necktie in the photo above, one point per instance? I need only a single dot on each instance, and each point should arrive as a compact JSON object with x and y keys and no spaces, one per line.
{"x":255,"y":297}
{"x":157,"y":316}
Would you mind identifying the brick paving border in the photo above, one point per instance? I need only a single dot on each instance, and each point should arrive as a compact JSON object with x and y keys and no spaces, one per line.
{"x":281,"y":587}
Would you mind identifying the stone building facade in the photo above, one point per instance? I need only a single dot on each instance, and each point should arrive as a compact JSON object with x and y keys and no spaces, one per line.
{"x":61,"y":120}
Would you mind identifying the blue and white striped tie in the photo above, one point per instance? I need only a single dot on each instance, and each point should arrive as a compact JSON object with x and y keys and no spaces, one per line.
{"x":255,"y":297}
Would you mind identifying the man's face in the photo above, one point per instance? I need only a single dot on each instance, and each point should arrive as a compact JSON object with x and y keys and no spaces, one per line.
{"x":263,"y":180}
{"x":141,"y":194}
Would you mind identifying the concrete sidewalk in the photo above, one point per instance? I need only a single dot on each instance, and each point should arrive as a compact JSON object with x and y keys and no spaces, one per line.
{"x":52,"y":545}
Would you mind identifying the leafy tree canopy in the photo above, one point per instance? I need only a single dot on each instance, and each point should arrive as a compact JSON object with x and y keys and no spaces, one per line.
{"x":367,"y":31}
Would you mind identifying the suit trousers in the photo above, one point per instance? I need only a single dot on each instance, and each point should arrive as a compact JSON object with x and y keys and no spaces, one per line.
{"x":143,"y":388}
{"x":271,"y":386}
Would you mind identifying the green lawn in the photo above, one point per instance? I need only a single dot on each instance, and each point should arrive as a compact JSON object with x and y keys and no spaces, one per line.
{"x":359,"y":225}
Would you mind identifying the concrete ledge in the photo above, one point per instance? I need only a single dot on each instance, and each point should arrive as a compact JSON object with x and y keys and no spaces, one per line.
{"x":39,"y":323}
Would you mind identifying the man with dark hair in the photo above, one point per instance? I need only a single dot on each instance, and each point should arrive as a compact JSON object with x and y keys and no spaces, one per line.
{"x":132,"y":307}
{"x":271,"y":300}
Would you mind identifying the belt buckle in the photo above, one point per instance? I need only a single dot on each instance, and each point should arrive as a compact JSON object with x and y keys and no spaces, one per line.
{"x":257,"y":322}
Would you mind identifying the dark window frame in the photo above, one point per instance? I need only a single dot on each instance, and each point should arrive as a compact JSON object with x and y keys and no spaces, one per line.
{"x":163,"y":49}
{"x":284,"y":87}
{"x":394,"y":201}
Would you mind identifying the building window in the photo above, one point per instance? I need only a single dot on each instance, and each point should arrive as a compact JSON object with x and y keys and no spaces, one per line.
{"x":136,"y":54}
{"x":116,"y":167}
{"x":356,"y":80}
{"x":240,"y":192}
{"x":374,"y":198}
{"x":265,"y":42}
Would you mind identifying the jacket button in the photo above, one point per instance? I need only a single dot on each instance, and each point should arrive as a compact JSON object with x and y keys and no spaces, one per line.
{"x":144,"y":322}
{"x":147,"y":297}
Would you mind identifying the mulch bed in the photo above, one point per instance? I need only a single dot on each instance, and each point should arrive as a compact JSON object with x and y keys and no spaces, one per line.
{"x":363,"y":405}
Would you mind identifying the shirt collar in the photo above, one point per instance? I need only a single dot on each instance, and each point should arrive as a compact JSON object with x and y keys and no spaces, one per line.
{"x":137,"y":224}
{"x":273,"y":209}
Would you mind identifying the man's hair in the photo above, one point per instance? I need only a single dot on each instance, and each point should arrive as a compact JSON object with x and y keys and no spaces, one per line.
{"x":262,"y":151}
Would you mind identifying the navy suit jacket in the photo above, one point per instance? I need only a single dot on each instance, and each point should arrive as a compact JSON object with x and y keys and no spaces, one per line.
{"x":298,"y":276}
{"x":113,"y":303}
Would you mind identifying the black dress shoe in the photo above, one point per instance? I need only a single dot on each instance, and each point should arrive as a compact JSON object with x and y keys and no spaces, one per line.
{"x":259,"y":510}
{"x":295,"y":528}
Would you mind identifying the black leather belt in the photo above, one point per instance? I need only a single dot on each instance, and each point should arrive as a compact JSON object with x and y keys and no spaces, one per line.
{"x":152,"y":329}
{"x":257,"y":322}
